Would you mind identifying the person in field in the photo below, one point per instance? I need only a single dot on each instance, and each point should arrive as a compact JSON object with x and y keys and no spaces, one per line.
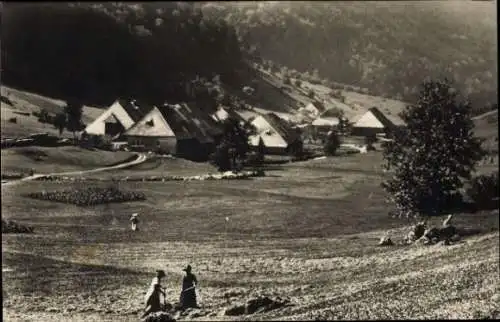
{"x":134,"y":222}
{"x":188,"y":293}
{"x":155,"y":294}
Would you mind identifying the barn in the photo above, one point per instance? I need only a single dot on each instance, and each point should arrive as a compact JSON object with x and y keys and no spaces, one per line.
{"x":277,"y":135}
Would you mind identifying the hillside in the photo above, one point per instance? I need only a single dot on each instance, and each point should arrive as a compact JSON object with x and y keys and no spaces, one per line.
{"x":384,"y":48}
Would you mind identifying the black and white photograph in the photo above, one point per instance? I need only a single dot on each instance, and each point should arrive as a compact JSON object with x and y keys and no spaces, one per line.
{"x":249,"y":161}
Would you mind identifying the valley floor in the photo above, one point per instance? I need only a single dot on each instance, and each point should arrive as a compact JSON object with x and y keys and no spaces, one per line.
{"x":308,"y":231}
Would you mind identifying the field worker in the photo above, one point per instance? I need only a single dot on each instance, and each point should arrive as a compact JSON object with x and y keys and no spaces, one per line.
{"x":154,"y":295}
{"x":188,"y":293}
{"x":446,"y":222}
{"x":134,"y":220}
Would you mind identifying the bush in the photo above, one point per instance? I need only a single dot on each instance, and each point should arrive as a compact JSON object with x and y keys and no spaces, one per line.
{"x":11,"y":227}
{"x":89,"y":196}
{"x":332,"y":143}
{"x":298,"y":82}
{"x":483,"y":190}
{"x":287,"y":81}
{"x":310,"y":93}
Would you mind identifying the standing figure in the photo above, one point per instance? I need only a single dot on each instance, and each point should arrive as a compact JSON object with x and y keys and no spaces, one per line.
{"x":188,"y":293}
{"x":135,"y":221}
{"x":154,"y":294}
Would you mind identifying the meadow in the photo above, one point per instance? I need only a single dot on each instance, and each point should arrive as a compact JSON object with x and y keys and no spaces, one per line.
{"x":308,"y":231}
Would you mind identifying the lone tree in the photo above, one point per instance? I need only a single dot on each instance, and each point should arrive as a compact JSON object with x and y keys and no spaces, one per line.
{"x":73,"y":112}
{"x":431,"y":156}
{"x":261,"y":151}
{"x":60,"y":122}
{"x":332,"y":143}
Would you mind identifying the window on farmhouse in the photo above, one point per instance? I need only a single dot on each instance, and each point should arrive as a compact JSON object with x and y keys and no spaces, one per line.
{"x":150,"y":123}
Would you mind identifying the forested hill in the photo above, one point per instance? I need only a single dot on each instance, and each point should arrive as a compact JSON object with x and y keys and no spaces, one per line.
{"x":96,"y":52}
{"x":387,"y":48}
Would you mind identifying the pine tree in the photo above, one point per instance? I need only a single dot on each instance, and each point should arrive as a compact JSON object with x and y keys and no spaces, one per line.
{"x":433,"y":153}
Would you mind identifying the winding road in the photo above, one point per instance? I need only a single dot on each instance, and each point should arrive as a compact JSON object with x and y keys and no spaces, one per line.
{"x":141,"y":157}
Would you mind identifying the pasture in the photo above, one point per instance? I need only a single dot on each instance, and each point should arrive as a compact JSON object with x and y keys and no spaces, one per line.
{"x":307,"y":231}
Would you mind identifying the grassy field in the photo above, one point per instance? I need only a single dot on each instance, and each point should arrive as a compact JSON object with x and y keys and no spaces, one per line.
{"x":307,"y":231}
{"x":59,"y":159}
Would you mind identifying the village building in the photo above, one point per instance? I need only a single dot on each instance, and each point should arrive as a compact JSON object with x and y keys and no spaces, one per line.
{"x":179,"y":129}
{"x":374,"y":122}
{"x":118,"y":118}
{"x":277,"y":135}
{"x":323,"y":125}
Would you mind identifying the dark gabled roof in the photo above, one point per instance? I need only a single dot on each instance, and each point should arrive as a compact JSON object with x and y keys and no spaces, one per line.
{"x":282,"y":127}
{"x":381,"y":117}
{"x":189,"y":122}
{"x":135,"y":109}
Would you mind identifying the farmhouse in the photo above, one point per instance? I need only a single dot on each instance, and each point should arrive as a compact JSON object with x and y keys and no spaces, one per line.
{"x":277,"y":135}
{"x":374,"y":122}
{"x":324,"y":124}
{"x":119,"y":117}
{"x":177,"y":129}
{"x":314,"y":109}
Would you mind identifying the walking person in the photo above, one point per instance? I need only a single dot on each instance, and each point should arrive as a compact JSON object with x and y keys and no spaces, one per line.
{"x":154,"y":295}
{"x":135,"y":221}
{"x":188,"y":293}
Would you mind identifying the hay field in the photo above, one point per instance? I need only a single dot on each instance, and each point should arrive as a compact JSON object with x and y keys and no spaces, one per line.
{"x":308,"y":231}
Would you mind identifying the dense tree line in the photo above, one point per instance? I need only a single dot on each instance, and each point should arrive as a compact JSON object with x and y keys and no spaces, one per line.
{"x":382,"y":49}
{"x":96,"y":52}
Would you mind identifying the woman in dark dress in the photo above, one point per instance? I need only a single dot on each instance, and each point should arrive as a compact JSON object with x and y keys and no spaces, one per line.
{"x":188,"y":294}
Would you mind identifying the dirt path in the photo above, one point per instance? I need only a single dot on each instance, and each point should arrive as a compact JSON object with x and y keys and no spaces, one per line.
{"x":141,"y":157}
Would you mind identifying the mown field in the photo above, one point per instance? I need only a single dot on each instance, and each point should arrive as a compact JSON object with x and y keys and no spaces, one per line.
{"x":307,"y":231}
{"x":57,"y":159}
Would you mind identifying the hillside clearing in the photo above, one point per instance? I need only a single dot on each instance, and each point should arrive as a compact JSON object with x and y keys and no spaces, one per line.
{"x":28,"y":103}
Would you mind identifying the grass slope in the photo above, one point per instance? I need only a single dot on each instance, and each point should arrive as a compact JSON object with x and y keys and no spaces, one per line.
{"x":26,"y":102}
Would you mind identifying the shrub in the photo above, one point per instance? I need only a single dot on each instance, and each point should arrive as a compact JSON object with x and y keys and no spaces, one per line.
{"x":298,"y":82}
{"x":310,"y":93}
{"x":287,"y":81}
{"x":483,"y":190}
{"x":332,"y":143}
{"x":11,"y":227}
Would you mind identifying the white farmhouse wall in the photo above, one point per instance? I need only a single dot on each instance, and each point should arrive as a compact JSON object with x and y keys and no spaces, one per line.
{"x":369,"y":120}
{"x":159,"y":127}
{"x":98,"y":127}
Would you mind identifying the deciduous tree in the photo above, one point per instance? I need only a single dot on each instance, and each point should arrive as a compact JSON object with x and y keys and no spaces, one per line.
{"x":431,"y":156}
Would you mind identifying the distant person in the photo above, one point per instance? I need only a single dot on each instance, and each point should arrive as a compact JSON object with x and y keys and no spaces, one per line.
{"x":134,"y":222}
{"x":188,"y":294}
{"x":446,"y":222}
{"x":154,"y":294}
